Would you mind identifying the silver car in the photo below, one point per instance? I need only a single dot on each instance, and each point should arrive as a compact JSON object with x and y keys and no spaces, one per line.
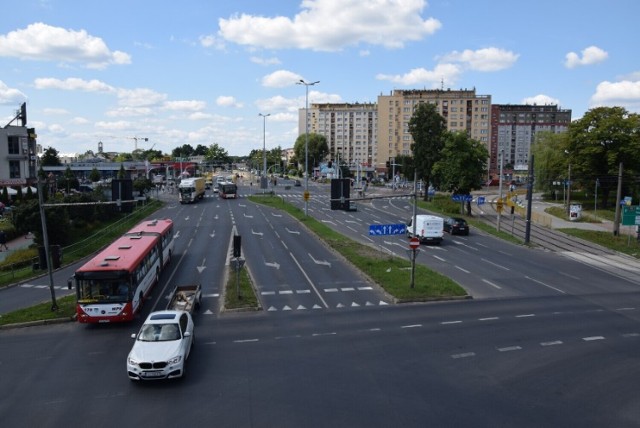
{"x":162,"y":346}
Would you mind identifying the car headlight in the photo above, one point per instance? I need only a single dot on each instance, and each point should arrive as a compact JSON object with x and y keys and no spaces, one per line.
{"x":132,"y":361}
{"x":174,"y":360}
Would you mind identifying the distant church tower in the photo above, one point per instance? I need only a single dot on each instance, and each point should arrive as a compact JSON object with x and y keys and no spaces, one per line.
{"x":99,"y":146}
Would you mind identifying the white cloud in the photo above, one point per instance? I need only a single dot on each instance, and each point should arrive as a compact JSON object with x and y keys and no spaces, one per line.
{"x":447,"y":73}
{"x":47,"y":43}
{"x":140,"y":97}
{"x":200,"y":116}
{"x":364,"y":52}
{"x":330,"y":25}
{"x":488,"y":59}
{"x":590,"y":55}
{"x":625,"y":93}
{"x":79,"y":121}
{"x":187,"y":105}
{"x":128,"y":111}
{"x":265,"y":61}
{"x":211,"y":41}
{"x":228,"y":101}
{"x":9,"y":95}
{"x":73,"y":84}
{"x":280,"y":79}
{"x":541,"y":99}
{"x":55,"y":111}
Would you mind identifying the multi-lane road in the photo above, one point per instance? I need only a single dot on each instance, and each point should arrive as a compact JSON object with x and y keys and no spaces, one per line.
{"x":548,"y":340}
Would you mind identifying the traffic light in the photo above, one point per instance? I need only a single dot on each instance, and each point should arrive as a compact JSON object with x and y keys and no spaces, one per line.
{"x":236,"y":245}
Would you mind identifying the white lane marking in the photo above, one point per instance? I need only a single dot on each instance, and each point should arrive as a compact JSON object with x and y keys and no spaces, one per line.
{"x":546,"y":285}
{"x":525,"y":315}
{"x":631,"y":335}
{"x":439,"y":258}
{"x":626,"y":309}
{"x":268,"y":293}
{"x":592,"y":338}
{"x":552,"y":343}
{"x":495,"y":264}
{"x":489,"y":319}
{"x":450,"y":322}
{"x":323,"y":334}
{"x":509,"y":348}
{"x":463,"y":270}
{"x":492,"y":284}
{"x":464,"y":355}
{"x":245,"y":340}
{"x":303,"y":291}
{"x":285,"y":292}
{"x":309,"y":281}
{"x":412,"y":326}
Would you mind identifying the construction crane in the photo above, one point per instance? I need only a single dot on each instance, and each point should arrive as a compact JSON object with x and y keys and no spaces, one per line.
{"x":136,"y":140}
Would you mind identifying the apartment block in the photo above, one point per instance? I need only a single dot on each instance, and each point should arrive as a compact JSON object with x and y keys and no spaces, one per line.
{"x":463,"y":110}
{"x":350,"y":130}
{"x":514,"y":129}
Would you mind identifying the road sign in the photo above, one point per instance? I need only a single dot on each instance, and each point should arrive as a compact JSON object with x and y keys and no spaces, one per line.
{"x":462,"y":198}
{"x":306,"y":195}
{"x":499,"y":206}
{"x":631,"y":215}
{"x":414,"y":243}
{"x":387,"y":229}
{"x":480,"y":200}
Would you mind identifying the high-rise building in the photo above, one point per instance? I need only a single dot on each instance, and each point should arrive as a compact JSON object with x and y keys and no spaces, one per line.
{"x":463,"y":110}
{"x":513,"y":130}
{"x":350,"y":130}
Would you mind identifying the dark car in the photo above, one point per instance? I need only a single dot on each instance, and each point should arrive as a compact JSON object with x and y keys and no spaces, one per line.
{"x":297,"y":183}
{"x":456,"y":226}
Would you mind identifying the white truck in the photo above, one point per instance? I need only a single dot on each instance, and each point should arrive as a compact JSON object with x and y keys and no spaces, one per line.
{"x":191,"y":189}
{"x":427,"y":228}
{"x":185,"y":298}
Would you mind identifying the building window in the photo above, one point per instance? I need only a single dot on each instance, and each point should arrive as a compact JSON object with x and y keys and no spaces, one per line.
{"x":14,"y":169}
{"x":14,"y":145}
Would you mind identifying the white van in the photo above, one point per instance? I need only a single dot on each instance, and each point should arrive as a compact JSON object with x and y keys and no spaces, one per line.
{"x":428,"y":228}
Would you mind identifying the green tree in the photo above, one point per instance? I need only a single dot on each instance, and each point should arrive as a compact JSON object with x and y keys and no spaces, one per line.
{"x":216,"y":155}
{"x":123,"y":157}
{"x":185,"y":151}
{"x":26,"y":218}
{"x":598,"y":142}
{"x":68,"y":180}
{"x":95,"y":175}
{"x":122,"y":174}
{"x":50,"y":157}
{"x":550,"y":166}
{"x":142,"y":184}
{"x":200,"y":150}
{"x":462,"y":165}
{"x":427,"y":127}
{"x":318,"y":149}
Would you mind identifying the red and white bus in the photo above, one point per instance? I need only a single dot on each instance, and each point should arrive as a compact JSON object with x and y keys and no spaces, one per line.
{"x":228,"y":190}
{"x":162,"y":228}
{"x":112,"y":286}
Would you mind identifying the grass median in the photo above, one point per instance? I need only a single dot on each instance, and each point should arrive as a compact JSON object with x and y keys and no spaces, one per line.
{"x":391,"y":273}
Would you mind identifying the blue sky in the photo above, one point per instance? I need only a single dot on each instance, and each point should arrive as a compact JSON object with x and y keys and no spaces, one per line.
{"x":200,"y":71}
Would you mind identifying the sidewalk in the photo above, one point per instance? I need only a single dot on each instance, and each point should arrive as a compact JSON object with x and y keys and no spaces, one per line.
{"x":16,"y":244}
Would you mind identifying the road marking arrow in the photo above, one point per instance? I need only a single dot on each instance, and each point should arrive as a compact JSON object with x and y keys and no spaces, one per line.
{"x":248,"y":216}
{"x":212,"y":234}
{"x":320,"y":262}
{"x":202,"y":266}
{"x":256,"y":233}
{"x":274,"y":264}
{"x":296,"y":232}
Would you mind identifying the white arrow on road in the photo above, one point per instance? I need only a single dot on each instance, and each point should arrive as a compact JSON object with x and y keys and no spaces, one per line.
{"x":248,"y":216}
{"x":242,"y":205}
{"x":276,"y":215}
{"x":296,"y":232}
{"x":212,"y":234}
{"x":176,"y":235}
{"x":186,"y":218}
{"x":328,"y":221}
{"x":320,"y":262}
{"x":256,"y":233}
{"x":351,"y":221}
{"x":274,"y":264}
{"x":202,"y":266}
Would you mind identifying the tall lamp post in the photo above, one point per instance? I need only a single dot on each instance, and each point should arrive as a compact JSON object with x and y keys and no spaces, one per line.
{"x":306,"y":143}
{"x":569,"y":185}
{"x":263,"y":181}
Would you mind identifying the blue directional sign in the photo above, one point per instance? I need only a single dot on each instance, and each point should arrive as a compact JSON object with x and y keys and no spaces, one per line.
{"x":480,"y":200}
{"x":462,"y":198}
{"x":387,"y":229}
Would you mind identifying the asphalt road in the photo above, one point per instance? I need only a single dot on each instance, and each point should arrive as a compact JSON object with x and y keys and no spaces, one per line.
{"x":549,"y":361}
{"x":554,"y":341}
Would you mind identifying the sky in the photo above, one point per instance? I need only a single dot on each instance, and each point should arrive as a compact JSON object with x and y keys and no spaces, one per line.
{"x":202,"y":71}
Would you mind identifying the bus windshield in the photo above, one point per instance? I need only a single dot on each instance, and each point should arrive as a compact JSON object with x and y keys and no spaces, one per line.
{"x":104,"y":290}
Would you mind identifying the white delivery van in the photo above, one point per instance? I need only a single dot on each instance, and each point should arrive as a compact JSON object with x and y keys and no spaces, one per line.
{"x":427,"y":228}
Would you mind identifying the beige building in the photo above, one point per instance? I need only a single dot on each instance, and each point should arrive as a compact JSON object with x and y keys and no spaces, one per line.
{"x":350,"y":130}
{"x":463,"y":110}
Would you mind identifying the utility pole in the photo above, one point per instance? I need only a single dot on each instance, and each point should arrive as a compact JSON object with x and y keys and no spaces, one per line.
{"x":527,"y":233}
{"x":616,"y":220}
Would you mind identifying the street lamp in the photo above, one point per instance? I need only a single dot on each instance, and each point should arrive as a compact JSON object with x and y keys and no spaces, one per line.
{"x":263,"y":181}
{"x":306,"y":144}
{"x":569,"y":186}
